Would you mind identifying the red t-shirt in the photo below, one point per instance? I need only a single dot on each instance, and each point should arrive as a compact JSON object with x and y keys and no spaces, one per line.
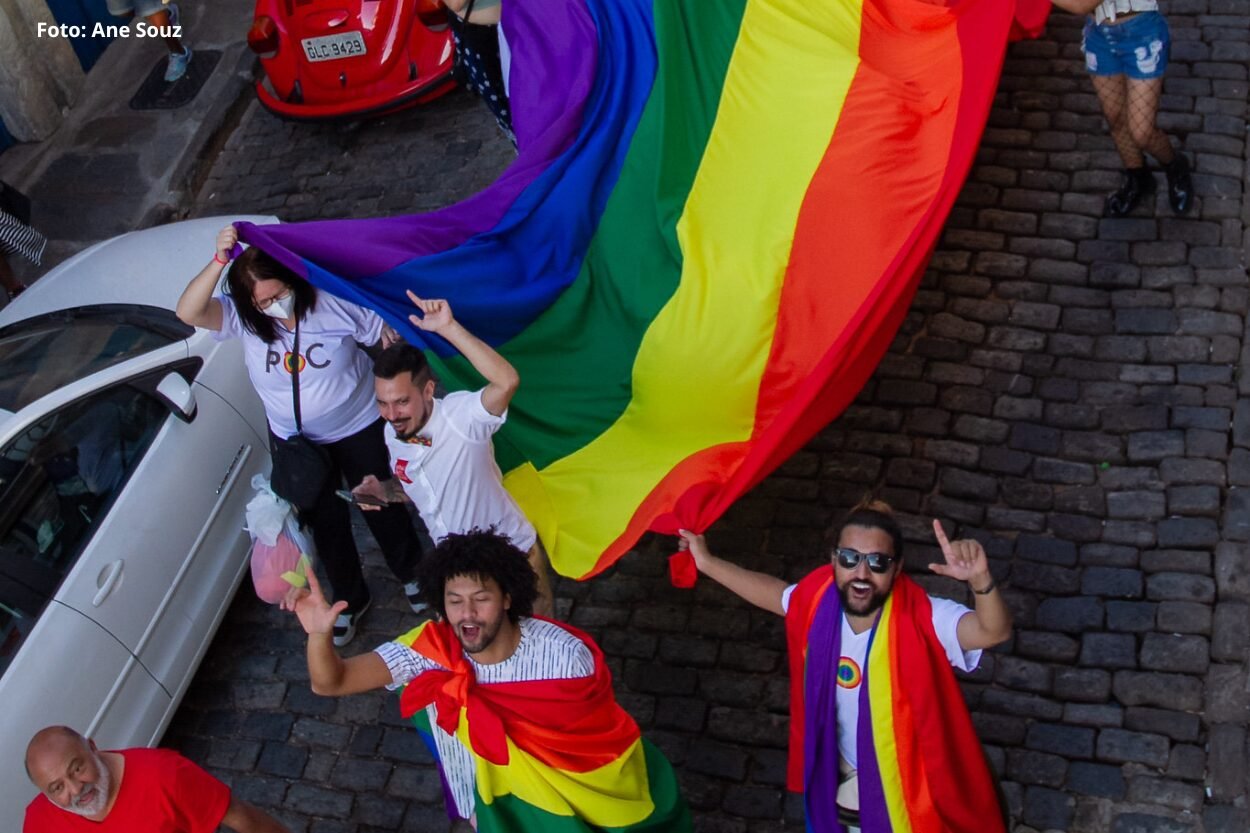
{"x":161,"y":792}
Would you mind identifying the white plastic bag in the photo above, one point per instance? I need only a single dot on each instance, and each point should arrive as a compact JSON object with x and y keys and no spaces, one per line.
{"x":281,"y":551}
{"x":266,"y":513}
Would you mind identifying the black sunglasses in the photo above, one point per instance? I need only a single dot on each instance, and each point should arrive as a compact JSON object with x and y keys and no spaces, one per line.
{"x":878,"y":562}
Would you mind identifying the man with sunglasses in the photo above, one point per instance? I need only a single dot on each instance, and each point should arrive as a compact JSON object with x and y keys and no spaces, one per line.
{"x":870,"y":660}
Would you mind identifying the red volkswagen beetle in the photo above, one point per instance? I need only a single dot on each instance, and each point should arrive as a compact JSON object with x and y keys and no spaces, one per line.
{"x":327,"y":59}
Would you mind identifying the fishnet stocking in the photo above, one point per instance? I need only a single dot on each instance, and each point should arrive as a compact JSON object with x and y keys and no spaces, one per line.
{"x":1131,"y":106}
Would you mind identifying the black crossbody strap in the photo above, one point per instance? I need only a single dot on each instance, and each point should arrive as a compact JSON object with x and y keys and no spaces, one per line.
{"x":293,"y":367}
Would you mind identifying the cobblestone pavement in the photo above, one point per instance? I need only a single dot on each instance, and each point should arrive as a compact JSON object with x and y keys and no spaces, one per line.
{"x":1066,"y":388}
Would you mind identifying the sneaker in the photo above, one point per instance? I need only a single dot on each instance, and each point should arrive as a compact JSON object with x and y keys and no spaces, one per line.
{"x":1180,"y":184}
{"x":413,"y":591}
{"x":345,"y":625}
{"x":178,"y":63}
{"x":1138,"y":184}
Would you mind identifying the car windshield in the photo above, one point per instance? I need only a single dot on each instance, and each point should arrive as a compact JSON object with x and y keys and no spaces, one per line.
{"x":40,"y":355}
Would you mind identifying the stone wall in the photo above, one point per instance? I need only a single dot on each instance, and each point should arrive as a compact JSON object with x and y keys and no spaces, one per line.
{"x":39,"y":77}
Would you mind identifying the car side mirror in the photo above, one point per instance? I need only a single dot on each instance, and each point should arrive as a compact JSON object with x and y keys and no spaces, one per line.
{"x":177,"y":395}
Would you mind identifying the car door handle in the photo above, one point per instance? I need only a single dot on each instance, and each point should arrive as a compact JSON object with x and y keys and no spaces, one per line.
{"x":239,"y":456}
{"x":106,"y":581}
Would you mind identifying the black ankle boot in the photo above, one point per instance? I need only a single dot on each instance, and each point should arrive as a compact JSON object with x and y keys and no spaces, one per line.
{"x":1180,"y":184}
{"x":1138,"y":185}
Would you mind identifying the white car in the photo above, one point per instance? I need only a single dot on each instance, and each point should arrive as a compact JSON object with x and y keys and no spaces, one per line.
{"x":128,"y":441}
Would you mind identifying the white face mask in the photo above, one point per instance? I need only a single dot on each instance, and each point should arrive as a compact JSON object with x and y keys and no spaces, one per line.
{"x":278,"y":308}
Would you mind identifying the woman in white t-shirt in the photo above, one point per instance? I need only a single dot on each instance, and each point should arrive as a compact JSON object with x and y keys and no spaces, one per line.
{"x":262,"y":304}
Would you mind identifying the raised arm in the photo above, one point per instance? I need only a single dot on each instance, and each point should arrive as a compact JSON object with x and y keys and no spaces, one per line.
{"x":990,"y":622}
{"x":760,"y":589}
{"x":330,"y":674}
{"x":501,"y":377}
{"x":197,"y":306}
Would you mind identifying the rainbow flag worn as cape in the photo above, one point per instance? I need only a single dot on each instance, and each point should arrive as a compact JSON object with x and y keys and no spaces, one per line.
{"x":717,"y":220}
{"x":921,"y":766}
{"x":558,"y":756}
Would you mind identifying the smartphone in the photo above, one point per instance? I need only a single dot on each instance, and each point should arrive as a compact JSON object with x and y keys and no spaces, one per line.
{"x":363,"y":500}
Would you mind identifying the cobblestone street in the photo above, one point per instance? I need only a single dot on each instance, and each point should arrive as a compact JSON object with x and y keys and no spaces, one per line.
{"x":1066,"y":388}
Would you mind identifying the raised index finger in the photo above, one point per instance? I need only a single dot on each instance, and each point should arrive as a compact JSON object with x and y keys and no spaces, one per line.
{"x":412,"y":296}
{"x":940,"y":534}
{"x":314,"y":586}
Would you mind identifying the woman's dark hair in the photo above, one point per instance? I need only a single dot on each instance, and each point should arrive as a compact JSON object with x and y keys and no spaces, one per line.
{"x":872,"y":514}
{"x":480,"y":554}
{"x":254,"y":266}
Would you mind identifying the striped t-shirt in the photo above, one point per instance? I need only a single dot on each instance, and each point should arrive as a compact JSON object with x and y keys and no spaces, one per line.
{"x":18,"y":238}
{"x":546,"y":652}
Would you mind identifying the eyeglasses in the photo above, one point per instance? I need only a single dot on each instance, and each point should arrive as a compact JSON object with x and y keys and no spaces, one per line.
{"x":281,"y":296}
{"x":878,"y":562}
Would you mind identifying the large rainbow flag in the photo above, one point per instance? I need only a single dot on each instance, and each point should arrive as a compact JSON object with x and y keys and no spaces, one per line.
{"x":717,"y":220}
{"x":557,"y":756}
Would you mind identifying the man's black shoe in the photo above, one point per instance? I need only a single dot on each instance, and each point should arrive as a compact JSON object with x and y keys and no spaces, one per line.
{"x":1138,"y":185}
{"x":1180,"y":184}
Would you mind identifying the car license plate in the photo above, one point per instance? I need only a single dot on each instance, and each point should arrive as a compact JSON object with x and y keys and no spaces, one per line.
{"x":333,"y":47}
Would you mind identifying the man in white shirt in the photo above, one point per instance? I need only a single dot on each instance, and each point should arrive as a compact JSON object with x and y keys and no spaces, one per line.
{"x":832,"y":619}
{"x":520,"y":711}
{"x":441,"y":450}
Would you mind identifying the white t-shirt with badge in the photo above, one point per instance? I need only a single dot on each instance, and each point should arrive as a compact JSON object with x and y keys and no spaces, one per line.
{"x":336,"y":380}
{"x":449,"y":471}
{"x":850,"y":674}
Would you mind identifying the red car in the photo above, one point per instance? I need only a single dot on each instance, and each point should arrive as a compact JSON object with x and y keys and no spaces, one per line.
{"x":326,"y":59}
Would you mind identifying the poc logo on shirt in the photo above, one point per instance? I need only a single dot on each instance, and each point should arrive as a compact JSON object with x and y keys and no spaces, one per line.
{"x":288,"y":359}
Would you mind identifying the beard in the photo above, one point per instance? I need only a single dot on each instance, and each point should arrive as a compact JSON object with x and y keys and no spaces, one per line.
{"x":414,"y":423}
{"x":93,"y":800}
{"x":485,"y":634}
{"x":861,"y":608}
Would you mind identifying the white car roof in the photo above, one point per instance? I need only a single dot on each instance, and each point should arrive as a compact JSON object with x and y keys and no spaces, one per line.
{"x":149,"y":267}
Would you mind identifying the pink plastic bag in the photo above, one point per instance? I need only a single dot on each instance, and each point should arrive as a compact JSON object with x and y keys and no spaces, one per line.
{"x":278,"y":568}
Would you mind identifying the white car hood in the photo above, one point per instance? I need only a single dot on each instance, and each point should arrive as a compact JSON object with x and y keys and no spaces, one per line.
{"x":149,"y":267}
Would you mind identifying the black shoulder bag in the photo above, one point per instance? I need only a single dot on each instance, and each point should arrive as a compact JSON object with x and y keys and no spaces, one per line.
{"x":300,"y":466}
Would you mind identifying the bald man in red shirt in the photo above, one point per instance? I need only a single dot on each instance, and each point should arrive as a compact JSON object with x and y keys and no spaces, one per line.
{"x":128,"y":791}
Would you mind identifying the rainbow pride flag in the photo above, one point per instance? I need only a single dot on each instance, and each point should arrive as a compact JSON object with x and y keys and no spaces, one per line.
{"x":920,"y":765}
{"x":717,"y":220}
{"x":556,"y":756}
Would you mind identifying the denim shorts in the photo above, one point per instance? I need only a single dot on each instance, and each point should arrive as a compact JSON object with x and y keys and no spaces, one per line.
{"x":1138,"y":47}
{"x":140,"y":8}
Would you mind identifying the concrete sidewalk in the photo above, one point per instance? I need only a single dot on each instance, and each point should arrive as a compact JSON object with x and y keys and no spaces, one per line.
{"x":109,"y":169}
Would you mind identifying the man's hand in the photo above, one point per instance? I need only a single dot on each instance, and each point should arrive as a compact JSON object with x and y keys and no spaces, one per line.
{"x":374,"y":488}
{"x":697,"y":545}
{"x":309,"y":604}
{"x":965,"y":560}
{"x":227,"y":239}
{"x":435,"y":314}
